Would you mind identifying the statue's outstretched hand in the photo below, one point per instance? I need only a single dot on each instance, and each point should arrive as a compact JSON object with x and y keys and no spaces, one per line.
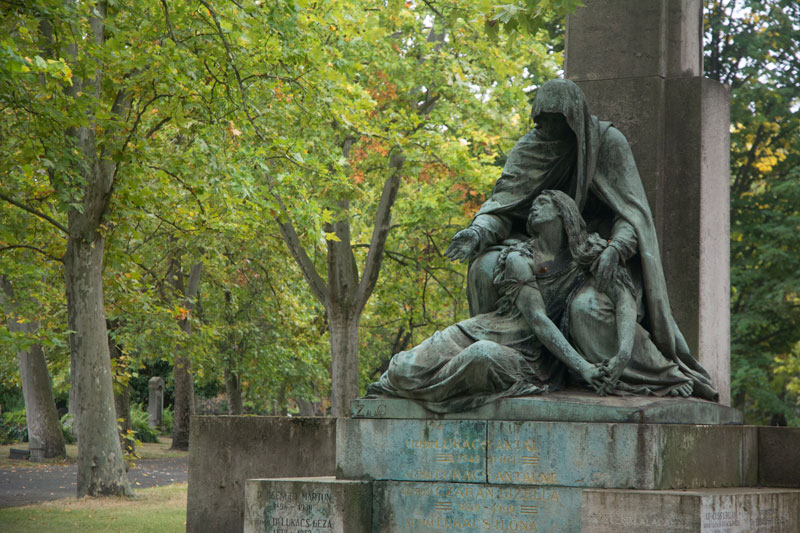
{"x":603,"y":268}
{"x":464,"y":245}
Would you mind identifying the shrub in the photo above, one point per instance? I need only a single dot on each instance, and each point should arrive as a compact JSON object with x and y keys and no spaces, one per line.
{"x":67,"y":424}
{"x":143,"y":432}
{"x":13,"y":427}
{"x":167,"y":419}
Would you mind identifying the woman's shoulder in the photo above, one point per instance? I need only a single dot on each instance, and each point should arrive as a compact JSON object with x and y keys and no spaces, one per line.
{"x":518,"y":261}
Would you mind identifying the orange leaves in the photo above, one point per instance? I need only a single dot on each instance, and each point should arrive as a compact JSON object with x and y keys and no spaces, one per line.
{"x":280,"y":95}
{"x":382,"y":90}
{"x":366,"y":148}
{"x":472,"y":199}
{"x":181,"y":313}
{"x":433,"y":172}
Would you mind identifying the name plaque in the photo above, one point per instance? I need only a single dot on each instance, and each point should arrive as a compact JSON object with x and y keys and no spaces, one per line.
{"x":307,"y":505}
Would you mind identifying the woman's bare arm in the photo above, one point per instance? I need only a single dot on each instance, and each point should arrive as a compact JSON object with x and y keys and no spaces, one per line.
{"x":531,"y":305}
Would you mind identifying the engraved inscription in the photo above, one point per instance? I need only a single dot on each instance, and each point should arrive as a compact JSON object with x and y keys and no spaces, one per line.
{"x":378,"y":411}
{"x":513,"y":458}
{"x":298,"y":512}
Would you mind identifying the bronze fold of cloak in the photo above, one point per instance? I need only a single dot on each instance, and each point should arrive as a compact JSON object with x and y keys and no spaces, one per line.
{"x":603,"y":166}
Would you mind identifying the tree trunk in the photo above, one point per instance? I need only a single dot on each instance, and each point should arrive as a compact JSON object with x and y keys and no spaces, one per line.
{"x":182,"y":371}
{"x":45,"y":439}
{"x":233,"y":386}
{"x":344,"y":361}
{"x":122,"y":404}
{"x":184,"y":402}
{"x":101,"y":468}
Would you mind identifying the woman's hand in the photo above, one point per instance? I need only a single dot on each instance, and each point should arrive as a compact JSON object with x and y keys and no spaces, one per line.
{"x":594,"y":375}
{"x":464,"y":245}
{"x":604,"y":267}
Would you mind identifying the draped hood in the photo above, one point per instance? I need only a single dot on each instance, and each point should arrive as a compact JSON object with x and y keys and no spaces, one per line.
{"x":537,"y":163}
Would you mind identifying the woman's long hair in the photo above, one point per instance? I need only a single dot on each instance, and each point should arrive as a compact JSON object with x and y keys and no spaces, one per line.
{"x":583,"y":247}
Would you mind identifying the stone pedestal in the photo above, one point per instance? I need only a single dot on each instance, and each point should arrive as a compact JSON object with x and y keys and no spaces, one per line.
{"x":640,"y":66}
{"x":743,"y":510}
{"x":412,"y":471}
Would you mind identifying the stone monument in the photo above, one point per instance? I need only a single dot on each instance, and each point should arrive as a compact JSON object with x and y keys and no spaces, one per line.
{"x":155,"y":402}
{"x":535,"y":428}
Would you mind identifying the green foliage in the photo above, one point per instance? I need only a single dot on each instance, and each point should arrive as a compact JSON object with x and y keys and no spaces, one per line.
{"x":754,"y":46}
{"x":67,"y":429}
{"x":13,"y":427}
{"x":141,"y":430}
{"x":167,"y":419}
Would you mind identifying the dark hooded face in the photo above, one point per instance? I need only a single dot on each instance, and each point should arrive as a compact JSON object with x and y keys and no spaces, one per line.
{"x":553,"y":126}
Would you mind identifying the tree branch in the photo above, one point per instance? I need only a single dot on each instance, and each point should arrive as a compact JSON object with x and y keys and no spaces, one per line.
{"x":292,"y":240}
{"x":235,"y":70}
{"x":29,"y":247}
{"x":380,"y":231}
{"x":35,"y":212}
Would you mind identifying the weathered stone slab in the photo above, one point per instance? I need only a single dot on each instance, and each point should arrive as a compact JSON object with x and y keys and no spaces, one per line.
{"x":779,"y":457}
{"x":402,"y":507}
{"x":567,"y":406}
{"x":227,"y":450}
{"x":411,"y":450}
{"x":740,"y":510}
{"x":641,"y":456}
{"x":307,"y":505}
{"x":632,"y":38}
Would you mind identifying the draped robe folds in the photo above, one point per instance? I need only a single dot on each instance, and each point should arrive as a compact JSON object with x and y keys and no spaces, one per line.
{"x":497,"y":354}
{"x":599,"y":172}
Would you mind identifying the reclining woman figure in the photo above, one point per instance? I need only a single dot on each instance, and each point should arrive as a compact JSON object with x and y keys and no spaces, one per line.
{"x":523,"y":347}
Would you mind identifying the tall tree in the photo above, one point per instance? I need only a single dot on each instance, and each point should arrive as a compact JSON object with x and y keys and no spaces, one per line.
{"x":45,"y":439}
{"x":78,"y":84}
{"x":754,"y":46}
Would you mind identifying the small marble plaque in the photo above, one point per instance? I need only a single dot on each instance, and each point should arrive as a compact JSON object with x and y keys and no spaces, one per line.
{"x":307,"y":505}
{"x":402,"y":507}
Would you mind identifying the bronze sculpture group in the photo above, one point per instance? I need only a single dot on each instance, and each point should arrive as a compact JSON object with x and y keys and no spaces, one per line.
{"x":565,"y":283}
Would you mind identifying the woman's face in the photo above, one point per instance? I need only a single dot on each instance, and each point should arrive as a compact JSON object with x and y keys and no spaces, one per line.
{"x":543,"y":210}
{"x":553,"y":126}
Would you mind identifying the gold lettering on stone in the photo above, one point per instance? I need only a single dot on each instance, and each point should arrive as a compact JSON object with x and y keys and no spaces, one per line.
{"x":532,"y":478}
{"x":506,"y":445}
{"x":446,"y":444}
{"x":446,"y":475}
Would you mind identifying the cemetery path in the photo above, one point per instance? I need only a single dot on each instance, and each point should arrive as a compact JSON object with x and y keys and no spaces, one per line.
{"x":26,"y":485}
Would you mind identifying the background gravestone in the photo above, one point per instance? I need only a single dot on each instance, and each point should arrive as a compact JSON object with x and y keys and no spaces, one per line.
{"x":155,"y":402}
{"x":640,"y":65}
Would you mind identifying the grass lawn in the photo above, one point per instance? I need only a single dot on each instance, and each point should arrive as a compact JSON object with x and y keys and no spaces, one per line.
{"x":159,"y":509}
{"x":155,"y":450}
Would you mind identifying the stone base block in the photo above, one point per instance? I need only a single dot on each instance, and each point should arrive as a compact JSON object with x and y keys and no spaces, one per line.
{"x":571,"y":454}
{"x":565,"y":406}
{"x":742,"y":510}
{"x":779,"y":457}
{"x":227,"y":450}
{"x":307,"y":505}
{"x":415,"y":507}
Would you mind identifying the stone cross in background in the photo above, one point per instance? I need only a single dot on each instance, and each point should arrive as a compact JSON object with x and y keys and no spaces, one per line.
{"x":640,"y":65}
{"x":155,"y":402}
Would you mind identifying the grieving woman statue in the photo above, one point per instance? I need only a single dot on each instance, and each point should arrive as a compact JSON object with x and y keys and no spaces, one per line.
{"x":525,"y":345}
{"x":590,"y":160}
